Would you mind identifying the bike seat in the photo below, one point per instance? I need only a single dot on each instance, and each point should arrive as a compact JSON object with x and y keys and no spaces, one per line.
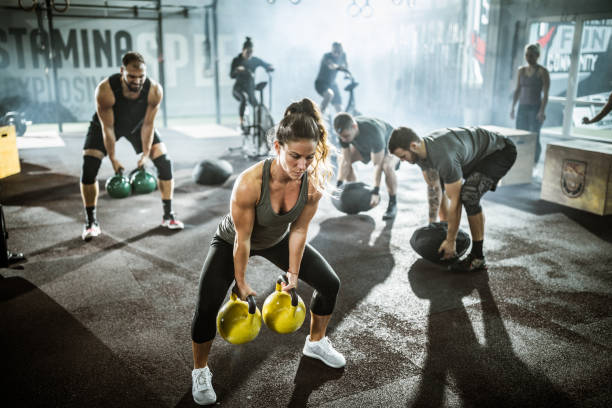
{"x":261,"y":85}
{"x":351,"y":86}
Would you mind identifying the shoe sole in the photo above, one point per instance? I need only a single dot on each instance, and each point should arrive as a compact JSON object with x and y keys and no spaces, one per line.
{"x":172,"y":228}
{"x":203,"y":403}
{"x":315,"y":356}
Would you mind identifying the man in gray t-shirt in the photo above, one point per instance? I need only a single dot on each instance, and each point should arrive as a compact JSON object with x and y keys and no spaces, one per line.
{"x":447,"y":157}
{"x":363,"y":139}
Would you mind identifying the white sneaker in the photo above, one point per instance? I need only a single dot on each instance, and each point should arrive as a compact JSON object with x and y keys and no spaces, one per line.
{"x":324,"y":351}
{"x":90,"y":231}
{"x":172,"y":223}
{"x":201,"y":388}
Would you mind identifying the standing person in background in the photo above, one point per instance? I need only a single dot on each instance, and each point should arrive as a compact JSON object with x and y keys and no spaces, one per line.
{"x":243,"y":71}
{"x":325,"y":84}
{"x":532,"y":85}
{"x":604,"y":111}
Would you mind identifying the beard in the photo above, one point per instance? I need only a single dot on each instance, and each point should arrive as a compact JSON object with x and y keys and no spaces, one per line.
{"x":134,"y":88}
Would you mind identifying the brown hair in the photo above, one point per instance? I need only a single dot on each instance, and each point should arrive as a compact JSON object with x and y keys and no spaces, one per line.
{"x":402,"y":137}
{"x":132,"y":57}
{"x":303,"y":120}
{"x":342,"y":121}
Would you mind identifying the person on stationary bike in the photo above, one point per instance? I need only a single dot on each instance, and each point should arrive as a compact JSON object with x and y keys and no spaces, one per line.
{"x":325,"y":84}
{"x":243,"y":71}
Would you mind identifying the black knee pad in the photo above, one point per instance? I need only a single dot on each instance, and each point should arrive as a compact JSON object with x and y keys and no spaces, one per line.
{"x":164,"y":167}
{"x":91,"y":165}
{"x":475,"y":186}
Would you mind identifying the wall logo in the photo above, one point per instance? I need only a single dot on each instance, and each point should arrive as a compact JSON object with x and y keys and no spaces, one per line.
{"x":573,"y":178}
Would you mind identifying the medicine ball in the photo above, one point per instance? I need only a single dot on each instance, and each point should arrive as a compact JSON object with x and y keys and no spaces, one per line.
{"x":211,"y":171}
{"x":353,"y":197}
{"x":427,"y":240}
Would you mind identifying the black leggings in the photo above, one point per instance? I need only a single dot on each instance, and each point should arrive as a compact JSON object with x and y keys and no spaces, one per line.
{"x":242,"y":95}
{"x":218,"y":274}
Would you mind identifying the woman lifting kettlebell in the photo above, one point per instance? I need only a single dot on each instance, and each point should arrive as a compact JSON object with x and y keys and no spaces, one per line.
{"x":271,"y":207}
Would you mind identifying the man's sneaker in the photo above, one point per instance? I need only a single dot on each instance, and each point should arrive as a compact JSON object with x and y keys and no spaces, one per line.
{"x":201,"y":388}
{"x":469,"y":264}
{"x":324,"y":351}
{"x":90,"y":231}
{"x":391,"y":211}
{"x":172,"y":223}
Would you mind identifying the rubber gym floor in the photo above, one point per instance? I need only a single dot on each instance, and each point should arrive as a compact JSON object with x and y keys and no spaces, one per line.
{"x":107,"y":323}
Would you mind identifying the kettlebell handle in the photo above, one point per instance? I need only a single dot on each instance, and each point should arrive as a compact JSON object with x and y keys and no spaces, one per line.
{"x":292,"y":292}
{"x":250,"y":300}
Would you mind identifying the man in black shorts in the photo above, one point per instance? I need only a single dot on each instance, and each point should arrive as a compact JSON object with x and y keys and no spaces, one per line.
{"x":126,"y":105}
{"x":364,"y":139}
{"x":447,"y":157}
{"x":325,"y":84}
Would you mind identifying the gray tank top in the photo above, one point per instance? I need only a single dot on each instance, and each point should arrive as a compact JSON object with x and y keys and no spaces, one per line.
{"x":531,"y":88}
{"x":269,"y":227}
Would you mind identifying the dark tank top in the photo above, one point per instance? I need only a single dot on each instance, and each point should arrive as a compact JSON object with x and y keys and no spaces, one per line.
{"x":531,"y":88}
{"x":129,"y":113}
{"x":269,"y":227}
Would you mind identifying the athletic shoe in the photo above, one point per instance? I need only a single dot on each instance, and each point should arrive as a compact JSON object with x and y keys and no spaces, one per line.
{"x":172,"y":223}
{"x":469,"y":264}
{"x":391,"y":211}
{"x":201,"y":388}
{"x":90,"y":231}
{"x":324,"y":351}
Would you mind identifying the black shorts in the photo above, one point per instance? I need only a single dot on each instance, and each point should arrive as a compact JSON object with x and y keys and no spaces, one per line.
{"x":322,"y":87}
{"x":497,"y":164}
{"x":95,"y":140}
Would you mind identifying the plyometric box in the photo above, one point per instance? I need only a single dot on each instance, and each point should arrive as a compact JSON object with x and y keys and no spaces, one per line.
{"x":525,"y":142}
{"x":578,"y":174}
{"x":9,"y":157}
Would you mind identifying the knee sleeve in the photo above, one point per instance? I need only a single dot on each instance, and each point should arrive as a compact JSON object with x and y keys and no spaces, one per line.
{"x":164,"y":167}
{"x":475,"y":186}
{"x":91,"y":165}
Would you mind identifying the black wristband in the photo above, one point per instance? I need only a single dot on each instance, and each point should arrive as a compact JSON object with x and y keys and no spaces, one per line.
{"x":375,"y":190}
{"x":339,"y":183}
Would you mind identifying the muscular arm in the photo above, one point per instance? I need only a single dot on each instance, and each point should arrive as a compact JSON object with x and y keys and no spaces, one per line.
{"x":453,"y":191}
{"x":148,"y":124}
{"x":377,"y":160}
{"x":434,"y":193}
{"x":517,"y":89}
{"x":104,"y":108}
{"x":604,"y":111}
{"x":242,"y":209}
{"x":545,"y":89}
{"x":298,"y":233}
{"x":343,"y":170}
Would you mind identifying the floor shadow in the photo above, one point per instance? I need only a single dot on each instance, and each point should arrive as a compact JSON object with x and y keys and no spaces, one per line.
{"x":311,"y":375}
{"x":49,"y":359}
{"x":484,"y":375}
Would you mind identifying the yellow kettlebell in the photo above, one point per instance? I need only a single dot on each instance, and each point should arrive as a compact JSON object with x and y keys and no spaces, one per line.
{"x":283,"y":312}
{"x":238,"y":321}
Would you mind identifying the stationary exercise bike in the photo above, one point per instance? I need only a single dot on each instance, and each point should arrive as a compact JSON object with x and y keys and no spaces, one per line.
{"x":256,"y":124}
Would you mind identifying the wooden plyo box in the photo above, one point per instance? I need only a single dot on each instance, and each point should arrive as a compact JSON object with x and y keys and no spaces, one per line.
{"x":9,"y":157}
{"x":525,"y":142}
{"x":578,"y":174}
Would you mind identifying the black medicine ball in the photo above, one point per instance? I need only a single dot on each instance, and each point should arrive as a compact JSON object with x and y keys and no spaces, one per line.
{"x":427,"y":240}
{"x":353,"y":197}
{"x":210,"y":172}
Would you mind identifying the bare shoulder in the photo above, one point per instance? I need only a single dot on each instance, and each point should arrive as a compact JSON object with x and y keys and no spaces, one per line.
{"x":248,"y":185}
{"x":156,"y":92}
{"x":104,"y":94}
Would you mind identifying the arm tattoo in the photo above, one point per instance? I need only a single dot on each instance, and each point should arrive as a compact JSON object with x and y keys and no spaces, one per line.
{"x":434,"y":191}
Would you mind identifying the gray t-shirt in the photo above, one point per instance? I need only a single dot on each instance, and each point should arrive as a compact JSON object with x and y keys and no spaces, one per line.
{"x":372,"y":137}
{"x":455,"y":152}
